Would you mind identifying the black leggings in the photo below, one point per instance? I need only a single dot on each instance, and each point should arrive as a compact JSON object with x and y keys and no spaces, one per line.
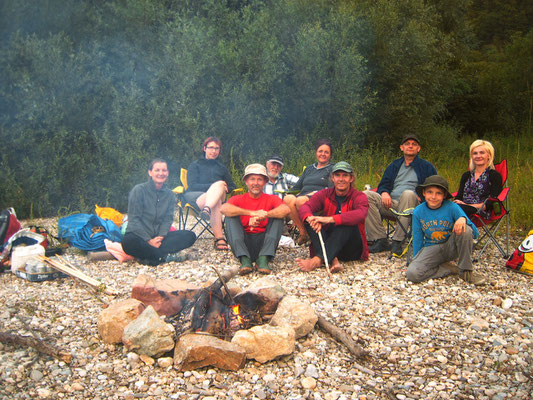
{"x":342,"y":241}
{"x":172,"y":243}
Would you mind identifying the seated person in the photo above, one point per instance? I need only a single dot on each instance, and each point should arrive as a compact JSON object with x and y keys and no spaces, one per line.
{"x":480,"y":182}
{"x":342,"y":211}
{"x":397,"y":191}
{"x":277,"y":180}
{"x":254,"y":221}
{"x":314,"y":178}
{"x":150,"y":215}
{"x":208,"y":183}
{"x":441,"y":233}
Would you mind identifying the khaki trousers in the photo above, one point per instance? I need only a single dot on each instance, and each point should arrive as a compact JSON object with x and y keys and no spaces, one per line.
{"x":373,"y":223}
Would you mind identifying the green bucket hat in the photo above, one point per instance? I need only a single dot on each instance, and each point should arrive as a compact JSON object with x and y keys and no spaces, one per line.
{"x":434,"y":180}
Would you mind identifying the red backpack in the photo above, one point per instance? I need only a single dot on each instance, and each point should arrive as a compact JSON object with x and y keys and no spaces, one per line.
{"x":9,"y":225}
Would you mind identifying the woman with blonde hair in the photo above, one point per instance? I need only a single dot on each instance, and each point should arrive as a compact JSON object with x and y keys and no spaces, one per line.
{"x":480,"y":182}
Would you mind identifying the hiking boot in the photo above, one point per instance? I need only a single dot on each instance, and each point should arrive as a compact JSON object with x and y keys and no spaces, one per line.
{"x":451,"y":266}
{"x":246,"y":265}
{"x":176,"y":257}
{"x":379,"y":246}
{"x":262,"y":265}
{"x":472,"y":277}
{"x":396,"y":247}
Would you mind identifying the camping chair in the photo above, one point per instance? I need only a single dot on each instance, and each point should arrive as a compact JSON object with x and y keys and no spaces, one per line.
{"x":394,"y":223}
{"x":500,"y":212}
{"x":408,"y":249}
{"x":186,"y":210}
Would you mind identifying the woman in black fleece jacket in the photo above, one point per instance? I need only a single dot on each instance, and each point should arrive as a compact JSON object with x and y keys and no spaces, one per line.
{"x":150,"y":216}
{"x":208,"y":183}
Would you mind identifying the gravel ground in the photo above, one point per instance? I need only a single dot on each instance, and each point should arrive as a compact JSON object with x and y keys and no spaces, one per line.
{"x":442,"y":339}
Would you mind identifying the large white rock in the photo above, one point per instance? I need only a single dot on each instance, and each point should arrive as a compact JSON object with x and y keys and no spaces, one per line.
{"x":295,"y":313}
{"x":266,"y":342}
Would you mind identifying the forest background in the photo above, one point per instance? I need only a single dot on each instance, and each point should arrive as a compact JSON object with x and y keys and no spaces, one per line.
{"x":92,"y":90}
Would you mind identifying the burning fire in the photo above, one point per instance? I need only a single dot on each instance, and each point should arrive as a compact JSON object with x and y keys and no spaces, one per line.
{"x":235,"y":310}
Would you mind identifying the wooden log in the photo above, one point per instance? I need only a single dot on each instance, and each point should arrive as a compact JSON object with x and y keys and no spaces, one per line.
{"x":37,"y":344}
{"x":343,"y":337}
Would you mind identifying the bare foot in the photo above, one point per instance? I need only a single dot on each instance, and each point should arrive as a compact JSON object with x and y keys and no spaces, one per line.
{"x":336,"y":266}
{"x":308,"y":264}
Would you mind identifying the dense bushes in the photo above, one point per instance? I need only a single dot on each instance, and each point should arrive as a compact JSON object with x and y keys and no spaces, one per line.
{"x":91,"y":90}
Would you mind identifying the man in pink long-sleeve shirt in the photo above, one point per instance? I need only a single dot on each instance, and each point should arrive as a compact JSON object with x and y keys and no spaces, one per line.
{"x":342,"y":211}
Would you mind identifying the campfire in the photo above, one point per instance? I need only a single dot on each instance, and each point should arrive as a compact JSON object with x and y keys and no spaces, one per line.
{"x":215,"y":311}
{"x":214,"y":325}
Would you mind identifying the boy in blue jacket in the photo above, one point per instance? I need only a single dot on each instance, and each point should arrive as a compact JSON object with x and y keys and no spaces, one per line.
{"x":441,"y":233}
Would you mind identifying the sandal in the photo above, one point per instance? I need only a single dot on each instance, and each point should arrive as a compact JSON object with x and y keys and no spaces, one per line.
{"x":221,"y":244}
{"x":205,"y":214}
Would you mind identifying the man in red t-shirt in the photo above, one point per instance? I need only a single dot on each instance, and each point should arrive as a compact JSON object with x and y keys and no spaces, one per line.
{"x":254,"y":222}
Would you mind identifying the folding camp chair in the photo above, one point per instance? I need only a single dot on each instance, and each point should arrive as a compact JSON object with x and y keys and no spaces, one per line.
{"x":186,"y":210}
{"x":500,"y":212}
{"x":408,"y":249}
{"x":391,"y":228}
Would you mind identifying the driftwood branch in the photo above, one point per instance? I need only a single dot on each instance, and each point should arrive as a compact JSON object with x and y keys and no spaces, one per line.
{"x":37,"y":344}
{"x":343,"y":337}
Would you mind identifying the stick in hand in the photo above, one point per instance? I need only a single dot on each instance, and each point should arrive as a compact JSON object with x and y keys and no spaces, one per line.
{"x":324,"y":253}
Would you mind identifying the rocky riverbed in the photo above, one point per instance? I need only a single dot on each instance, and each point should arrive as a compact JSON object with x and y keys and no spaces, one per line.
{"x":442,"y":339}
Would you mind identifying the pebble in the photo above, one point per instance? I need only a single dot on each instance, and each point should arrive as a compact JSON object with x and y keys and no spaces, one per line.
{"x":36,"y":375}
{"x":440,"y":339}
{"x":76,"y":386}
{"x":308,"y":382}
{"x":165,"y":362}
{"x":507,"y":304}
{"x":311,"y":371}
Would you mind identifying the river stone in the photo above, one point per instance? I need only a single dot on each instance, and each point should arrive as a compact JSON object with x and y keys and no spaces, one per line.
{"x":293,"y":312}
{"x":148,"y":334}
{"x":269,"y":291}
{"x":167,"y":296}
{"x":113,"y":319}
{"x":196,"y":351}
{"x":266,"y":342}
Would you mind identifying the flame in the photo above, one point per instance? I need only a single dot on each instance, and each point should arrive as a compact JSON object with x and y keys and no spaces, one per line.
{"x":235,"y":309}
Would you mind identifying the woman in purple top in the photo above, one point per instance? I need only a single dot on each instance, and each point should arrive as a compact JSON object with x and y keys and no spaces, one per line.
{"x":480,"y":182}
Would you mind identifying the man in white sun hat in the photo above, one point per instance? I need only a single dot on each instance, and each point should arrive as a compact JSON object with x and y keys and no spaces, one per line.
{"x":254,"y":222}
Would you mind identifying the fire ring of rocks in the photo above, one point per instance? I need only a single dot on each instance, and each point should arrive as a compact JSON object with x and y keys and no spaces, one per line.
{"x":216,"y":325}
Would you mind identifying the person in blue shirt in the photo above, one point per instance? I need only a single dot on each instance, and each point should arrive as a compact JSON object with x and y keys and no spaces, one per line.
{"x":442,"y":233}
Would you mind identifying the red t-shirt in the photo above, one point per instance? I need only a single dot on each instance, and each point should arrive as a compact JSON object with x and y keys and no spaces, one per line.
{"x":265,"y":202}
